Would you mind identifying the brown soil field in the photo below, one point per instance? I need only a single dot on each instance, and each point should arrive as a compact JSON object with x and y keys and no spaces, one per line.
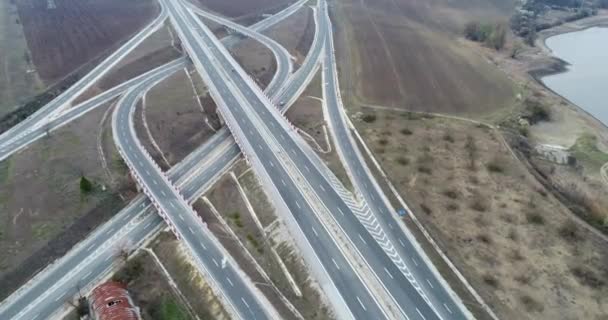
{"x":513,"y":241}
{"x":73,"y":32}
{"x":19,"y":80}
{"x":42,"y":208}
{"x":256,"y":59}
{"x":408,"y":54}
{"x":174,"y":117}
{"x":242,"y":7}
{"x":295,"y":33}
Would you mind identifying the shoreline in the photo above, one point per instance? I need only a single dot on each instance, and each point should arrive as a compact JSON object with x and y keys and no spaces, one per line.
{"x":558,"y":65}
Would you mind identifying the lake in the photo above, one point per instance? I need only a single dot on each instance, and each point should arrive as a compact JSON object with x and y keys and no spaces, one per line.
{"x":586,"y":81}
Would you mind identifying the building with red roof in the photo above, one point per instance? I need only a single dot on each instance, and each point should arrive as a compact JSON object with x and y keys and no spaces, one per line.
{"x":111,"y":301}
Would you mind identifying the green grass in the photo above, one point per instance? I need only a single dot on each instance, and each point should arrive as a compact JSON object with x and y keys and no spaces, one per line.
{"x":170,"y":310}
{"x":43,"y":230}
{"x":585,"y":150}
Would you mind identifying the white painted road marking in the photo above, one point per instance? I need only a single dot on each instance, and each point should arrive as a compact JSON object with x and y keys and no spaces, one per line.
{"x":430,"y":284}
{"x":387,"y":272}
{"x":335,"y":263}
{"x":361,"y":303}
{"x":215,"y":261}
{"x":228,"y":279}
{"x":315,"y":231}
{"x":420,"y":313}
{"x":245,"y":302}
{"x":297,"y":204}
{"x":447,"y":308}
{"x":360,"y":237}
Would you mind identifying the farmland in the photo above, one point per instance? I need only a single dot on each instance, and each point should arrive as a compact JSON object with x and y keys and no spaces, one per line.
{"x":63,"y":35}
{"x":412,"y":51}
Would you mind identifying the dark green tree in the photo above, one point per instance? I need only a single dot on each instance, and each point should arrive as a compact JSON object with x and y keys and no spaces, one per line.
{"x":85,"y":185}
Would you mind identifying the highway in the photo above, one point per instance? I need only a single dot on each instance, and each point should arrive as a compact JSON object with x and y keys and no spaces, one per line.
{"x":447,"y":304}
{"x":23,"y":137}
{"x":30,"y":136}
{"x":359,"y":302}
{"x":240,"y":296}
{"x":51,"y":109}
{"x":281,"y":55}
{"x":287,"y":143}
{"x":137,"y":222}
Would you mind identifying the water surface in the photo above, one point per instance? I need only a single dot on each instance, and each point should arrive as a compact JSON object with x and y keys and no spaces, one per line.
{"x":586,"y":81}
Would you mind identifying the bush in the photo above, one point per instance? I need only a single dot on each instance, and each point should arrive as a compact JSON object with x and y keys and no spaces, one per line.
{"x":587,"y":277}
{"x":490,"y":280}
{"x":478,"y":204}
{"x":369,"y":118}
{"x":403,"y":161}
{"x":236,"y":218}
{"x":132,"y":269}
{"x":495,"y":166}
{"x":569,"y":231}
{"x":492,"y":35}
{"x":484,"y":238}
{"x":383,"y":142}
{"x":85,"y":185}
{"x":448,"y":137}
{"x":452,"y":207}
{"x":530,"y":304}
{"x":452,"y":194}
{"x":406,"y":132}
{"x":534,"y":218}
{"x":426,"y":209}
{"x":425,"y":170}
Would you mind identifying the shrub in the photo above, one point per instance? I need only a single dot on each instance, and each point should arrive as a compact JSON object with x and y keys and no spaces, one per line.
{"x":478,"y":204}
{"x":425,"y":170}
{"x":403,"y":161}
{"x":587,"y":277}
{"x":448,"y":137}
{"x":495,"y":166}
{"x":85,"y":185}
{"x":452,"y":207}
{"x":406,"y":131}
{"x":369,"y":118}
{"x":132,"y":269}
{"x":530,"y":304}
{"x":383,"y":142}
{"x":534,"y":218}
{"x":426,"y":209}
{"x":484,"y":238}
{"x":452,"y":194}
{"x":490,"y":280}
{"x":569,"y":231}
